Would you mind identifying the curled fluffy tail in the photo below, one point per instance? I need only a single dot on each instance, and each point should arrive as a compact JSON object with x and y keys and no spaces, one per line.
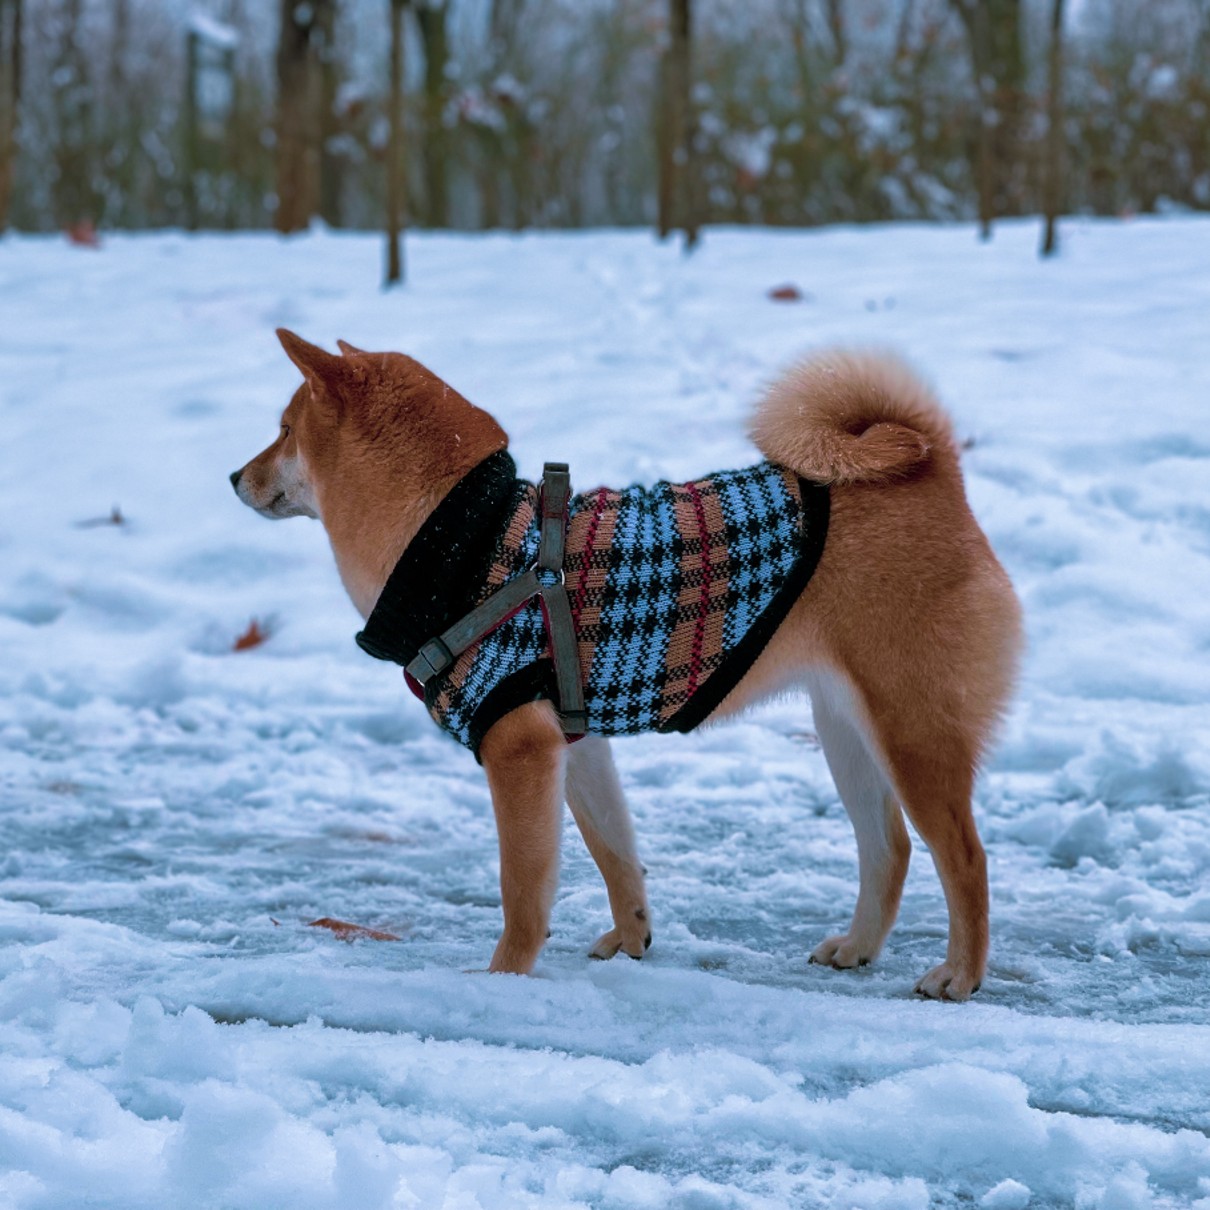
{"x":849,"y":417}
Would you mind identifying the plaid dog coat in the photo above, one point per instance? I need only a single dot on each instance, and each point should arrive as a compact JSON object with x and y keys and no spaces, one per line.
{"x":674,"y":590}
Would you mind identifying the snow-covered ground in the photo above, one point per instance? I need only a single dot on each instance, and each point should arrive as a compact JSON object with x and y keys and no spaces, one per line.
{"x":173,"y":813}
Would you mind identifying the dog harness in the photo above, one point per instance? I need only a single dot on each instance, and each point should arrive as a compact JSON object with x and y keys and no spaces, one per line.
{"x":672,"y":590}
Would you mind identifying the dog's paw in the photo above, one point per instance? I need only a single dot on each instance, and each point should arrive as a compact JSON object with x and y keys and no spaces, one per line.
{"x":841,"y":952}
{"x":946,"y":982}
{"x":517,"y":951}
{"x":608,"y":944}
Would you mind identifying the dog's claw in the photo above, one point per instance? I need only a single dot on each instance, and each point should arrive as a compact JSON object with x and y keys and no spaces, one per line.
{"x":944,"y":982}
{"x":612,"y":943}
{"x":842,"y":954}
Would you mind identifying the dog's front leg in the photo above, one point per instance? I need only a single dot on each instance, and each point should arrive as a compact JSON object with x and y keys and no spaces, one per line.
{"x":594,"y":793}
{"x":524,"y":756}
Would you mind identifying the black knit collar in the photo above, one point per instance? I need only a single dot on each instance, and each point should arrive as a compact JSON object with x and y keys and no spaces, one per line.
{"x":441,"y":573}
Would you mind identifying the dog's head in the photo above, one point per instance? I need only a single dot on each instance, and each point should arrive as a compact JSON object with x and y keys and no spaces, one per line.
{"x":363,"y":427}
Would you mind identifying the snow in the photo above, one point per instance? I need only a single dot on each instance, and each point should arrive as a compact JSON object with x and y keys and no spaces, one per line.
{"x":215,"y":32}
{"x":173,"y":814}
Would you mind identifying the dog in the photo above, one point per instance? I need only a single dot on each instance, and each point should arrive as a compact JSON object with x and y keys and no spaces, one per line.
{"x":905,"y":631}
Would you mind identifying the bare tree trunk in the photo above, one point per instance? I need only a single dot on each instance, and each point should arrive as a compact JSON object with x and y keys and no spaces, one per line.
{"x":293,"y":108}
{"x":1008,"y":71}
{"x":298,"y":125}
{"x":980,"y":37}
{"x":498,"y":148}
{"x":331,"y":162}
{"x":192,"y":140}
{"x":434,"y":32}
{"x":489,"y":180}
{"x":117,"y":129}
{"x":73,"y":105}
{"x":1053,"y":188}
{"x":676,"y":197}
{"x":994,"y":32}
{"x":10,"y":95}
{"x":252,"y":165}
{"x":395,"y":151}
{"x":523,"y":151}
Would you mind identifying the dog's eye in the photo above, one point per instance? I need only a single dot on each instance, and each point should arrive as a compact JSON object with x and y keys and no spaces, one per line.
{"x":285,"y":430}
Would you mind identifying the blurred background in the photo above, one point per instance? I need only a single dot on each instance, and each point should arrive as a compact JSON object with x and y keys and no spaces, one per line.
{"x":568,"y":113}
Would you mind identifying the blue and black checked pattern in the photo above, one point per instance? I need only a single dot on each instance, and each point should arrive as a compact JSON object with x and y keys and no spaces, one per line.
{"x":763,"y":537}
{"x":637,"y":610}
{"x":667,"y":585}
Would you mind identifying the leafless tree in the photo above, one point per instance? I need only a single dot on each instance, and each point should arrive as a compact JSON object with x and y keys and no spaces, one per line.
{"x":10,"y":96}
{"x":433,"y":20}
{"x":1053,"y":182}
{"x":677,"y":199}
{"x":503,"y":137}
{"x":998,"y":63}
{"x":73,"y":102}
{"x":540,"y":111}
{"x":331,"y":163}
{"x":304,"y":39}
{"x":119,"y":120}
{"x":396,"y":178}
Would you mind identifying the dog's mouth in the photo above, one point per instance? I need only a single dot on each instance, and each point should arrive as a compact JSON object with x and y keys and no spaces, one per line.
{"x":281,"y":506}
{"x":277,"y":508}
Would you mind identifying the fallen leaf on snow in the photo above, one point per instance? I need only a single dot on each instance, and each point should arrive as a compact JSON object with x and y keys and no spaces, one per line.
{"x":254,"y":636}
{"x":349,"y":932}
{"x":787,"y":293}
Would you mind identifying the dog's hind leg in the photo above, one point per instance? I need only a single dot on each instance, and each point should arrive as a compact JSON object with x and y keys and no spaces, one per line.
{"x":930,"y":754}
{"x":594,"y":794}
{"x":524,"y":756}
{"x":883,"y":847}
{"x":936,"y":781}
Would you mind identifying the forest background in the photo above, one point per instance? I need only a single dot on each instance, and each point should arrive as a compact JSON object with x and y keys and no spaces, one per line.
{"x":567,"y":113}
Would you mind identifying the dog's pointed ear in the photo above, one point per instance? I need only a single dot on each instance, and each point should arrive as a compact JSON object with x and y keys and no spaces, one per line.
{"x":320,"y":368}
{"x":313,"y":361}
{"x":350,"y":350}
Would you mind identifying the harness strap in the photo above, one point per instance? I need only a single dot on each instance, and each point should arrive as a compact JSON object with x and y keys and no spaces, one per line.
{"x":440,"y":653}
{"x":564,"y":649}
{"x":544,"y":580}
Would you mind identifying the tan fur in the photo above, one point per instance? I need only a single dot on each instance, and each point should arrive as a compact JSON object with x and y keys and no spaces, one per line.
{"x":383,"y":439}
{"x":906,"y":638}
{"x":910,"y":609}
{"x":524,"y":756}
{"x":846,"y":417}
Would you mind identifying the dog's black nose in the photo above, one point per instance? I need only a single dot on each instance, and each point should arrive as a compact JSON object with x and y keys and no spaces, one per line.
{"x":235,"y":477}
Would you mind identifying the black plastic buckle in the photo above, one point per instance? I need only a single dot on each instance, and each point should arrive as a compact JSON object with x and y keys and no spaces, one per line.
{"x":431,"y":660}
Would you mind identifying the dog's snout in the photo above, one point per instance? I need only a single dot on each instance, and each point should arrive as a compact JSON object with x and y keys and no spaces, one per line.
{"x":235,"y":478}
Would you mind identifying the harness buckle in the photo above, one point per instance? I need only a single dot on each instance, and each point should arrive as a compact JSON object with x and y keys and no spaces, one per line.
{"x":431,"y":660}
{"x":547,"y":579}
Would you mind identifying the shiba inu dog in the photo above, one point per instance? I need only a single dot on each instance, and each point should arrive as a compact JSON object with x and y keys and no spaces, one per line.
{"x":848,"y":565}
